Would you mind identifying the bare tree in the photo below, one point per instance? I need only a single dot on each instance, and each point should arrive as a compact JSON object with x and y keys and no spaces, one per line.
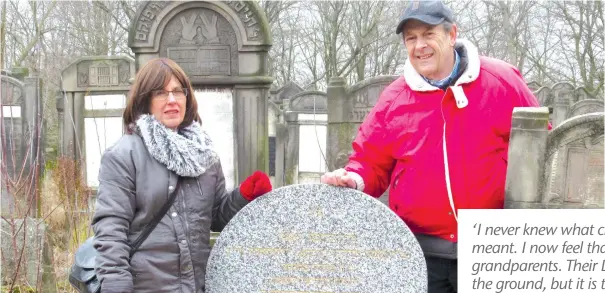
{"x":582,"y":42}
{"x":2,"y":34}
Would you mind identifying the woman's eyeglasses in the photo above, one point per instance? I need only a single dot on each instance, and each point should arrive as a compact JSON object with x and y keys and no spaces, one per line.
{"x":163,"y":94}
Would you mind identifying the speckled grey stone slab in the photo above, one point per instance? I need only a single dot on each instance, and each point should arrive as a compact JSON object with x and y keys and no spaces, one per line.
{"x":316,"y":238}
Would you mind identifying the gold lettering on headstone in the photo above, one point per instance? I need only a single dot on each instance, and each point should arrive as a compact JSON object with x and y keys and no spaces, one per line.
{"x":309,"y":280}
{"x":383,"y":254}
{"x":257,"y":250}
{"x":319,"y":237}
{"x":312,"y":267}
{"x":296,"y":291}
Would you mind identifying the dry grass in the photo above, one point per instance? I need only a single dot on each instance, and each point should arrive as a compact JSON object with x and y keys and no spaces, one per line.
{"x":64,"y":206}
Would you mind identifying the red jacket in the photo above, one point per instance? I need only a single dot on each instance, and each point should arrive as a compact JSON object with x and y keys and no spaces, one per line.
{"x":400,"y":143}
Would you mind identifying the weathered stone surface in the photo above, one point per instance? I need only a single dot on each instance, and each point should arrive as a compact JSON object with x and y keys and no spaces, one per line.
{"x":586,"y":107}
{"x":202,"y":42}
{"x":27,"y":242}
{"x":529,"y":132}
{"x":573,"y":175}
{"x":220,"y":45}
{"x":12,"y":94}
{"x":365,"y":96}
{"x":561,"y":170}
{"x":316,"y":238}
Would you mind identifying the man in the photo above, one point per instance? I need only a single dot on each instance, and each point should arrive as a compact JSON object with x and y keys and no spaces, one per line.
{"x":438,"y":136}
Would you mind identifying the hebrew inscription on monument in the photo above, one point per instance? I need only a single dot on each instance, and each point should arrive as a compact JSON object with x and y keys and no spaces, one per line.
{"x":316,"y":238}
{"x":148,"y":19}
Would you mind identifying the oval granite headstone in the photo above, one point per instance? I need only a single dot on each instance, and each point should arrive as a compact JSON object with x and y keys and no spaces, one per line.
{"x":316,"y":238}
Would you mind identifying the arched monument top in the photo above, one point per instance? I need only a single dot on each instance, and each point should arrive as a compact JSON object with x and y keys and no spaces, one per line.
{"x":246,"y":17}
{"x":11,"y":90}
{"x":12,"y":80}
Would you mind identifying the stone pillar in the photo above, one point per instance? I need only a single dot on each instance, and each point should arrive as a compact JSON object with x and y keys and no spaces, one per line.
{"x":526,"y":155}
{"x":143,"y":59}
{"x":79,"y":138}
{"x":32,"y":134}
{"x":292,"y":148}
{"x":281,"y":138}
{"x":561,"y":105}
{"x":340,"y":130}
{"x":252,"y":132}
{"x":60,"y":104}
{"x":68,"y":144}
{"x":32,"y":113}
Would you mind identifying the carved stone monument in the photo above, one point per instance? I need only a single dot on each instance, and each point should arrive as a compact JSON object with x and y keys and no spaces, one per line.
{"x":21,"y":125}
{"x":574,"y":163}
{"x":562,"y":168}
{"x":316,"y":238}
{"x":347,"y":108}
{"x":223,"y":46}
{"x":87,"y":76}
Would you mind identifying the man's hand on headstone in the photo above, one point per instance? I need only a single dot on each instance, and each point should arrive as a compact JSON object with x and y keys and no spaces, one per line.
{"x":255,"y":185}
{"x":338,"y":177}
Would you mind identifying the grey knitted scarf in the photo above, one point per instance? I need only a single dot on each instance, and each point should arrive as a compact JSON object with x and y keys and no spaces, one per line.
{"x":189,"y":153}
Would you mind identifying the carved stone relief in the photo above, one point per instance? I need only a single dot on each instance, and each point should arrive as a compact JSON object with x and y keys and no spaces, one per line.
{"x":103,"y":73}
{"x":202,"y":42}
{"x":364,"y":100}
{"x":574,"y":165}
{"x":124,"y":72}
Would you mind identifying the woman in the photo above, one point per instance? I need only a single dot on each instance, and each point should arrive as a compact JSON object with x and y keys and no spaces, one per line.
{"x":164,"y":142}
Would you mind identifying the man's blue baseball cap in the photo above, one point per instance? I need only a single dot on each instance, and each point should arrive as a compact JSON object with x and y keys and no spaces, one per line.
{"x":429,"y":12}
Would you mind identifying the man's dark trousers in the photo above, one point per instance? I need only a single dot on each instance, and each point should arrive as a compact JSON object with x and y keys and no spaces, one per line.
{"x":442,"y":275}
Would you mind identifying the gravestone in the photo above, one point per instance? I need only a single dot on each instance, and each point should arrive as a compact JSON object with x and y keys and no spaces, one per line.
{"x":21,"y":123}
{"x":574,"y":163}
{"x":585,"y":107}
{"x":347,"y":109}
{"x":562,"y":168}
{"x":223,"y":48}
{"x":305,"y":118}
{"x":12,"y":95}
{"x":87,"y":76}
{"x":316,"y":238}
{"x":26,"y":241}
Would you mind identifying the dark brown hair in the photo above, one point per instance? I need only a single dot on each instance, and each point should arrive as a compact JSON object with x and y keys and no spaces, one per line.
{"x":155,"y":75}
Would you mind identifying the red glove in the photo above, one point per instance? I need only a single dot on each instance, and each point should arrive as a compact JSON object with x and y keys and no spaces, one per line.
{"x":255,"y":185}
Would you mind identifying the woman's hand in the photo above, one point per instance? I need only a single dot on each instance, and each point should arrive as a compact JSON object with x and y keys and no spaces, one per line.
{"x":255,"y":185}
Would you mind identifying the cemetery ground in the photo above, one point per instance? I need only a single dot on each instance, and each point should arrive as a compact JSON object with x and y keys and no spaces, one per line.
{"x":64,"y":209}
{"x":292,"y":128}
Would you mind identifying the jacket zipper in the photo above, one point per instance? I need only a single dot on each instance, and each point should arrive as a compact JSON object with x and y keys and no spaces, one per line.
{"x":445,"y":160}
{"x":184,"y":213}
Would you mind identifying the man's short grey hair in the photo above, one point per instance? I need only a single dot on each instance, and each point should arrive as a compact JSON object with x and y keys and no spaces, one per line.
{"x":447,"y":26}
